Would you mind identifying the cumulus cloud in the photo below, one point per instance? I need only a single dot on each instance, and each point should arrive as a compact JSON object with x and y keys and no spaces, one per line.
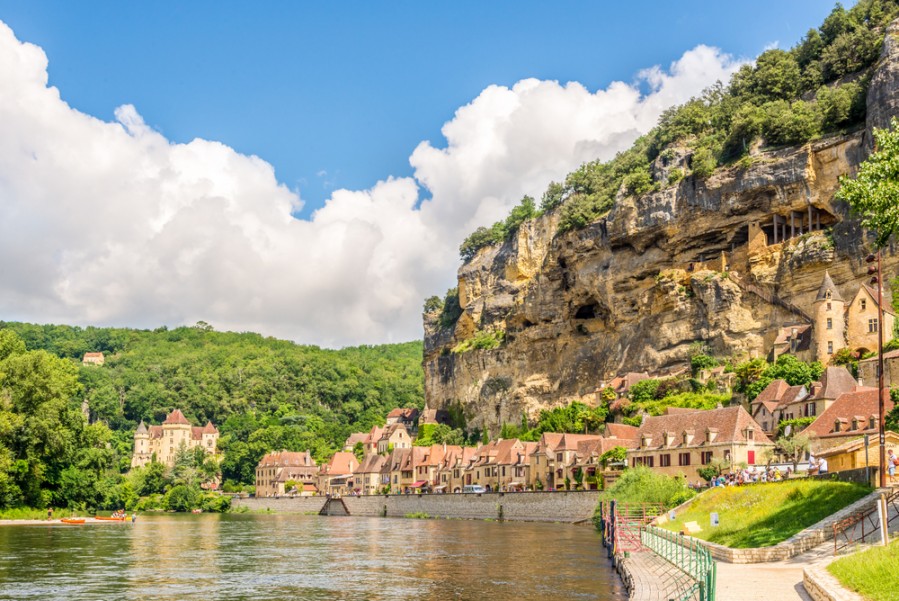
{"x":111,"y":223}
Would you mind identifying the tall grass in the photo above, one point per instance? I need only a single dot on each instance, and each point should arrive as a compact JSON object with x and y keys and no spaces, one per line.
{"x":29,"y":513}
{"x":874,"y":573}
{"x":760,"y":515}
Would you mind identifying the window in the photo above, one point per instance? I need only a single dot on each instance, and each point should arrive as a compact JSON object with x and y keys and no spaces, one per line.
{"x":665,"y":460}
{"x":765,"y":426}
{"x":829,"y":323}
{"x":683,"y":459}
{"x":872,"y":326}
{"x":863,"y":303}
{"x":830,"y":347}
{"x":558,"y":456}
{"x":836,"y":426}
{"x":650,"y":461}
{"x":829,"y":307}
{"x":706,"y":457}
{"x":828,"y":295}
{"x":750,"y":434}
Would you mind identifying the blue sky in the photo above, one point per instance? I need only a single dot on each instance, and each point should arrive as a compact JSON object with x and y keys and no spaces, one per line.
{"x":338,"y":95}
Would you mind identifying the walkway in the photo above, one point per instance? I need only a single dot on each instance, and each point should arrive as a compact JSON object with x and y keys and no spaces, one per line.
{"x":654,"y":579}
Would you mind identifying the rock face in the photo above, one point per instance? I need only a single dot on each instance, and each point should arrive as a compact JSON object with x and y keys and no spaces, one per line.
{"x":728,"y":261}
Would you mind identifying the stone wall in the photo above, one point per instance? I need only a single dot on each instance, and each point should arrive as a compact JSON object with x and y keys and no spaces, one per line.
{"x":571,"y":506}
{"x":799,"y":543}
{"x":822,"y":586}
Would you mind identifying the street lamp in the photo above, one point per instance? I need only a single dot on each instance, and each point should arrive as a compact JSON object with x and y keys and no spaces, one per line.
{"x":877,"y":278}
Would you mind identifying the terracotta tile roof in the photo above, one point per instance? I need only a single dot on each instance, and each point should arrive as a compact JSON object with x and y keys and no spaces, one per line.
{"x":407,"y":414}
{"x":621,"y":431}
{"x":569,"y":442}
{"x":801,"y":332}
{"x":176,"y":417}
{"x":287,"y":459}
{"x":793,"y":394}
{"x":835,"y":381}
{"x":680,"y":410}
{"x":772,"y":392}
{"x":371,"y":464}
{"x":730,"y":423}
{"x":548,"y":442}
{"x":873,"y":293}
{"x":341,"y":463}
{"x":210,"y":429}
{"x":863,"y":402}
{"x":196,"y":432}
{"x":155,"y":431}
{"x":355,"y":437}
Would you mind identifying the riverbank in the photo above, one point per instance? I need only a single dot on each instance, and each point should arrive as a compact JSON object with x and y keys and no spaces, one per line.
{"x":557,"y":506}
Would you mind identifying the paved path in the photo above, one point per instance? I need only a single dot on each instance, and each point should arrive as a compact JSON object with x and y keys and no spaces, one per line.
{"x":654,"y":579}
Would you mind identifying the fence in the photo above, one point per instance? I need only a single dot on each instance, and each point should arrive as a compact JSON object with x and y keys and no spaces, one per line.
{"x":622,"y":522}
{"x":864,"y":526}
{"x":688,"y":556}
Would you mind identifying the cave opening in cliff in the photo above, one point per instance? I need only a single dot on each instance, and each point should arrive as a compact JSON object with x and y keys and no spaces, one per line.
{"x":586,"y":311}
{"x":780,"y":228}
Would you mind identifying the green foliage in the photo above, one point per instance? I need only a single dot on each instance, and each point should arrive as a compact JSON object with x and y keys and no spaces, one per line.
{"x":576,"y":417}
{"x":500,"y":231}
{"x":642,"y":485}
{"x":798,"y":424}
{"x":451,"y":310}
{"x":755,"y":375}
{"x":182,"y":498}
{"x":262,"y":394}
{"x":701,"y":361}
{"x":433,"y":304}
{"x":874,"y":193}
{"x":684,"y":400}
{"x":613,"y":455}
{"x":431,"y":434}
{"x":891,"y":419}
{"x":762,"y":515}
{"x":482,"y":340}
{"x":871,"y":573}
{"x":643,"y":391}
{"x":787,"y":96}
{"x":847,"y":358}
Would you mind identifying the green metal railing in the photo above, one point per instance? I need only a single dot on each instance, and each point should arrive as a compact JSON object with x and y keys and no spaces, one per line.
{"x":690,"y":557}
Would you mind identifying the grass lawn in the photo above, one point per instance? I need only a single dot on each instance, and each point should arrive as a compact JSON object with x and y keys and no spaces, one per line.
{"x":760,"y":515}
{"x":872,"y":573}
{"x":28,"y":513}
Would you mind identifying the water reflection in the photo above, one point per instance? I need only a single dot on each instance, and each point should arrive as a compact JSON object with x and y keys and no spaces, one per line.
{"x":174,"y":557}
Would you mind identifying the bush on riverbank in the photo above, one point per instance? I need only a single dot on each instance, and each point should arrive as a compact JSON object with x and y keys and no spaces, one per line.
{"x":870,"y":573}
{"x":642,"y":485}
{"x":761,"y":515}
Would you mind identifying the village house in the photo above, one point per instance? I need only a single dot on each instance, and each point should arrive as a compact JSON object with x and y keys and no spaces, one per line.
{"x":867,"y":370}
{"x":275,"y":470}
{"x":587,"y":460}
{"x":367,"y":479}
{"x":779,"y":401}
{"x":851,"y":416}
{"x":453,"y":468}
{"x":856,"y":325}
{"x":679,"y":442}
{"x":407,"y":417}
{"x":552,"y":453}
{"x":394,"y":436}
{"x":162,"y":443}
{"x":622,"y":384}
{"x":93,"y":359}
{"x":354,"y":439}
{"x":852,"y":455}
{"x":336,"y":476}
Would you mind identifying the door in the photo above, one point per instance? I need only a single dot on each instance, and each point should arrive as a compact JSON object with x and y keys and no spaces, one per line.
{"x":751,"y":456}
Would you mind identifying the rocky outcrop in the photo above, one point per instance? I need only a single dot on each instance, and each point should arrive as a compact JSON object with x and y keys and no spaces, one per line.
{"x":728,"y":261}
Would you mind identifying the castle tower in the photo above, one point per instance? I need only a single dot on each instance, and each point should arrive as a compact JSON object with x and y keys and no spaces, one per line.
{"x":142,"y":452}
{"x":830,"y":320}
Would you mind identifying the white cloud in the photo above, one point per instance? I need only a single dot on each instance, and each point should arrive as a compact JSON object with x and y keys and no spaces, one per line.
{"x":111,"y":223}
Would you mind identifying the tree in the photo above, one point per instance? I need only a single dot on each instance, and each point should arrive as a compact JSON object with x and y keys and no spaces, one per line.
{"x":613,"y":455}
{"x":873,"y":194}
{"x":793,"y":448}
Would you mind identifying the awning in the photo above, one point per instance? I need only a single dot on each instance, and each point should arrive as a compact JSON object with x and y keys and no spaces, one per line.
{"x":516,"y":484}
{"x":441,"y":487}
{"x":419,"y":484}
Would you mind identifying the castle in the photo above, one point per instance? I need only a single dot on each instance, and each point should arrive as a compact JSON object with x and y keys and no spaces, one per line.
{"x":163,"y":442}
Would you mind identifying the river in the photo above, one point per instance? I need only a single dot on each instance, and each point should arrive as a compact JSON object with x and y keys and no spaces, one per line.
{"x":283,"y":556}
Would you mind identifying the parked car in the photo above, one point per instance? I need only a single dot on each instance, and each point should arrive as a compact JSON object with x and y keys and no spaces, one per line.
{"x":473,"y":488}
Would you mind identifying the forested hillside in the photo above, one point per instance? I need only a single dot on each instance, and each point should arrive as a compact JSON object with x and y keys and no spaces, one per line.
{"x":261,"y":393}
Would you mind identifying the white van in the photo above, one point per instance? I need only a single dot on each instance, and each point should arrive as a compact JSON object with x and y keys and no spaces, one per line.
{"x":473,"y":488}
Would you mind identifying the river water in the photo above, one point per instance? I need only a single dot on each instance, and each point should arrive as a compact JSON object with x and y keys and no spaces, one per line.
{"x":280,"y":556}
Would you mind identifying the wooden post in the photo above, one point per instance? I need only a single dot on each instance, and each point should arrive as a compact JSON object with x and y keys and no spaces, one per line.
{"x":775,"y":229}
{"x":792,"y":224}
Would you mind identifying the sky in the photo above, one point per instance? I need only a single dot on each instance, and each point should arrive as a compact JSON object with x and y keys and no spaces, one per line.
{"x":308,"y":170}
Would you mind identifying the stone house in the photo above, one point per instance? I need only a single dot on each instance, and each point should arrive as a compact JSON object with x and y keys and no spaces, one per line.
{"x":867,"y":370}
{"x":394,"y":436}
{"x":165,"y":441}
{"x":513,"y":464}
{"x":682,"y":441}
{"x":453,"y":468}
{"x":93,"y":359}
{"x":622,"y":384}
{"x":587,"y":460}
{"x":336,"y":476}
{"x":855,"y":325}
{"x":851,"y":416}
{"x":407,"y":417}
{"x":367,"y":477}
{"x":278,"y":468}
{"x":552,"y":453}
{"x":354,"y":439}
{"x":851,"y":455}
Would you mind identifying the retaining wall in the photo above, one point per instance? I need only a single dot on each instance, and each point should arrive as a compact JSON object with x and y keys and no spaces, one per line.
{"x":822,"y":586}
{"x":555,"y":506}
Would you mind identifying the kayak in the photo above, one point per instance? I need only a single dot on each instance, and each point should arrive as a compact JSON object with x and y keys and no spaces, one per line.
{"x":73,"y":521}
{"x":107,"y":518}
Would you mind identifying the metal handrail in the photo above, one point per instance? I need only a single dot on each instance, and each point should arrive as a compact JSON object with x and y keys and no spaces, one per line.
{"x":845,"y":530}
{"x":690,"y":557}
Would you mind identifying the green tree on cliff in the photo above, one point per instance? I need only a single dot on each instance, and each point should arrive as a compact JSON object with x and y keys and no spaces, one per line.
{"x":874,"y":193}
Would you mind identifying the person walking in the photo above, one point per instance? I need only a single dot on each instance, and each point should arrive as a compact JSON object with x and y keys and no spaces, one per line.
{"x":892,"y":462}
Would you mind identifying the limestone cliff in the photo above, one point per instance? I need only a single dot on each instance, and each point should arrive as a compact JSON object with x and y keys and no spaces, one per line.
{"x":728,"y":260}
